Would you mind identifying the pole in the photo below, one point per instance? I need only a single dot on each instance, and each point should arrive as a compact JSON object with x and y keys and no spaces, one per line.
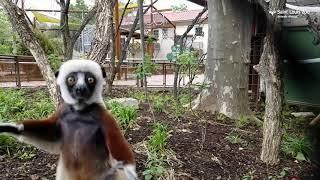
{"x":141,"y":15}
{"x":118,"y":37}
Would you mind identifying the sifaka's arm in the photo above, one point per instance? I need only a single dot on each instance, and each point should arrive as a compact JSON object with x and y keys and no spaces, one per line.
{"x":44,"y":134}
{"x":121,"y":155}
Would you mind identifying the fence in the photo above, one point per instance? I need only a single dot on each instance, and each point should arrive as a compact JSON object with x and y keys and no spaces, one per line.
{"x":20,"y":69}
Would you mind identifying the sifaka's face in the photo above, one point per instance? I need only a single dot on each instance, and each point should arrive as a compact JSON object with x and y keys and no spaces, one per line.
{"x":81,"y":85}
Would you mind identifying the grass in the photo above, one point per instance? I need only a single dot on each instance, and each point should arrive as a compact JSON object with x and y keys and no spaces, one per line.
{"x":235,"y":138}
{"x":17,"y":105}
{"x":125,"y":115}
{"x":298,"y":147}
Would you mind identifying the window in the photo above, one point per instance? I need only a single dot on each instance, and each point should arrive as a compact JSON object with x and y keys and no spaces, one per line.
{"x":199,"y":31}
{"x":156,"y":33}
{"x":164,"y":33}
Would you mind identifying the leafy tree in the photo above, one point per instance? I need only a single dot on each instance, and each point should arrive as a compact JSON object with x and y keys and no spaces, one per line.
{"x":76,"y":18}
{"x":179,"y":7}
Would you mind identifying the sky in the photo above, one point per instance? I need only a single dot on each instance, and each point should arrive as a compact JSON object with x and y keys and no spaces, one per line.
{"x":161,"y":4}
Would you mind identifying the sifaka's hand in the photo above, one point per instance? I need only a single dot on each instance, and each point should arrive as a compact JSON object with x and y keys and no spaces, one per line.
{"x":11,"y":128}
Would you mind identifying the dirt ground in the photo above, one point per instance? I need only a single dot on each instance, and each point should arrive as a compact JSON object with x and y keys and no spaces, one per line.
{"x":199,"y":143}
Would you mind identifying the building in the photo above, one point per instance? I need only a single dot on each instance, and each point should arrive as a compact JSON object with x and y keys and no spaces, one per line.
{"x":169,"y":26}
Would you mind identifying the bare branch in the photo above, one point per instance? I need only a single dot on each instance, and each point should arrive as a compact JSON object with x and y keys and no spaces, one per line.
{"x":85,"y":21}
{"x":122,"y":15}
{"x":193,"y":23}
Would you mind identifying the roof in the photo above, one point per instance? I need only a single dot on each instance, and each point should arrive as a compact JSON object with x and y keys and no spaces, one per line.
{"x":304,"y":2}
{"x":174,"y":17}
{"x":199,"y":2}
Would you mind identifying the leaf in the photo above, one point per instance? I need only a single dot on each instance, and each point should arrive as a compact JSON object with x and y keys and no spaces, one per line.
{"x":300,"y":157}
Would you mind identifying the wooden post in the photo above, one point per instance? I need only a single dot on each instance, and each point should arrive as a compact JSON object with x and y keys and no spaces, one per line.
{"x":118,"y":35}
{"x":17,"y":67}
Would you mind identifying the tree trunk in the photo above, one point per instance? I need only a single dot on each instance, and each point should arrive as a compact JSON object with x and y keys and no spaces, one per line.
{"x":269,"y":70}
{"x":103,"y":34}
{"x":227,"y":67}
{"x":20,"y":24}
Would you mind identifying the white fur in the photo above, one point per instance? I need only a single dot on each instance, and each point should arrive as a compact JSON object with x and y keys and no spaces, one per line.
{"x":81,"y":66}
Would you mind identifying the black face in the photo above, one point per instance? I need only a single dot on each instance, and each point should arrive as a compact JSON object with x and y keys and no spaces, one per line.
{"x":81,"y":85}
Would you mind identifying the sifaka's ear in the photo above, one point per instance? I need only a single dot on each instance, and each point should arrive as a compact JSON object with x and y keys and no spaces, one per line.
{"x":104,"y":74}
{"x":56,"y":74}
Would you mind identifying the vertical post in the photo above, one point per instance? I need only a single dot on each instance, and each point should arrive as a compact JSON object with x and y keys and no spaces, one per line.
{"x":82,"y":36}
{"x":18,"y":79}
{"x":142,"y":43}
{"x":118,"y":35}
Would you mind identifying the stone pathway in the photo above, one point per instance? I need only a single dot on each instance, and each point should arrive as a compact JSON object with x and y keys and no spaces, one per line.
{"x":153,"y":81}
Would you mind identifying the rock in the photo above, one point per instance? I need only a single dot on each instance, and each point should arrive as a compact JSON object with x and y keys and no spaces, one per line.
{"x":127,"y":102}
{"x":303,"y":114}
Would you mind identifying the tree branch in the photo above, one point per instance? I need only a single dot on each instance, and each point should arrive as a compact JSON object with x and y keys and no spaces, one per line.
{"x":85,"y":21}
{"x":122,"y":15}
{"x":193,"y":23}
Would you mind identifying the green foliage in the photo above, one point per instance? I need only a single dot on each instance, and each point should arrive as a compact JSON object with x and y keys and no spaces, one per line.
{"x":11,"y":103}
{"x":145,"y":69}
{"x":16,"y":106}
{"x":80,"y":5}
{"x":179,"y":7}
{"x":49,"y":46}
{"x":250,"y":175}
{"x":244,"y":121}
{"x":235,"y":138}
{"x":5,"y":49}
{"x":158,"y":140}
{"x":154,"y":167}
{"x":44,"y":18}
{"x":173,"y":55}
{"x":157,"y":148}
{"x":298,"y":147}
{"x":55,"y":61}
{"x":125,"y":115}
{"x":284,"y":173}
{"x":6,"y":29}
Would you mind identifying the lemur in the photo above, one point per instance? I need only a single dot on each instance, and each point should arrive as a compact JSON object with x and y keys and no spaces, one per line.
{"x":84,"y":134}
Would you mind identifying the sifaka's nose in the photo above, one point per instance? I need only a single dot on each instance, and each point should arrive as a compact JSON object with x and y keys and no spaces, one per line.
{"x":81,"y":90}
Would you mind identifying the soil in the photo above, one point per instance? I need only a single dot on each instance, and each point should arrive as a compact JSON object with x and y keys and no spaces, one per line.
{"x":198,"y":140}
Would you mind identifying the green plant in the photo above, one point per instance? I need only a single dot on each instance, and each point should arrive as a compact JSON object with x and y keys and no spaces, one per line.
{"x":158,"y":140}
{"x":284,"y":173}
{"x":145,"y":69}
{"x":125,"y":115}
{"x":250,"y":175}
{"x":157,"y":152}
{"x":139,"y":95}
{"x":244,"y":121}
{"x":55,"y":61}
{"x":298,"y":147}
{"x":159,"y":102}
{"x":154,"y":167}
{"x":235,"y":138}
{"x":11,"y":103}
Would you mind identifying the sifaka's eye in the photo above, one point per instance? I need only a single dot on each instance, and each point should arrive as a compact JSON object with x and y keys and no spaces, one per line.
{"x":71,"y":81}
{"x":91,"y":80}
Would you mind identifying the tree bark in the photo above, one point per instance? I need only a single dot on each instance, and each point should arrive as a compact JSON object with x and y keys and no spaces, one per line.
{"x":269,"y":70}
{"x":227,"y":67}
{"x":20,"y":24}
{"x":103,"y":34}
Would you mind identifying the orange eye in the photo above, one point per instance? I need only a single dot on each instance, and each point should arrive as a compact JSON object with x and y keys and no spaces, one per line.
{"x":91,"y":80}
{"x":71,"y":81}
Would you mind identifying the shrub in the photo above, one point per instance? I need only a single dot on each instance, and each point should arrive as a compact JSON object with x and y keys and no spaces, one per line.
{"x":158,"y":140}
{"x":296,"y":146}
{"x":125,"y":115}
